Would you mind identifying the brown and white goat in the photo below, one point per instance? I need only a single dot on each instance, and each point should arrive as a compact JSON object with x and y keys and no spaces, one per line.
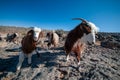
{"x":53,"y":39}
{"x":77,"y":38}
{"x":29,"y":43}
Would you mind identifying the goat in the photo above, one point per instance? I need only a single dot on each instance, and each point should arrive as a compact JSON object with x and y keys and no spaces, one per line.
{"x":12,"y":37}
{"x":82,"y":34}
{"x":29,"y":43}
{"x":53,"y":39}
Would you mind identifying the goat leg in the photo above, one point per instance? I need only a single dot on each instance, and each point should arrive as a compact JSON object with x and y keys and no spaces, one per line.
{"x":38,"y":54}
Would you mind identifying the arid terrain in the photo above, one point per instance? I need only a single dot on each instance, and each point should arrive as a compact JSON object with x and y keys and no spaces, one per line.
{"x":98,"y":62}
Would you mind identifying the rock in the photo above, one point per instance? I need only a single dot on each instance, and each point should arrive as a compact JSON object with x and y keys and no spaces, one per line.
{"x":110,"y":44}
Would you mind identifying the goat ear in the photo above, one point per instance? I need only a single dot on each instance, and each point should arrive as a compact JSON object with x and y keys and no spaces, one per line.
{"x":30,"y":32}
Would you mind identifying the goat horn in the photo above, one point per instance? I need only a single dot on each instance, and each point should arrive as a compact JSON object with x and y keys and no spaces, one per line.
{"x":83,"y":20}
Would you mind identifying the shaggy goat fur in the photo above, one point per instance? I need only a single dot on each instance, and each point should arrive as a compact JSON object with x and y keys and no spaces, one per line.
{"x":53,"y":39}
{"x":77,"y":38}
{"x":29,"y":44}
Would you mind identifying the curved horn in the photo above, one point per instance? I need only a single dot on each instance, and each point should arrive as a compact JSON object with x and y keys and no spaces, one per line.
{"x":83,"y":20}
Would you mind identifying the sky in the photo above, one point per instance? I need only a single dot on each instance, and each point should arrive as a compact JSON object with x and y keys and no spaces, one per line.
{"x":58,"y":14}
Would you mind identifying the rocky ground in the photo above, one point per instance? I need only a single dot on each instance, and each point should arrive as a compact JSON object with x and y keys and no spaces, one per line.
{"x":97,"y":63}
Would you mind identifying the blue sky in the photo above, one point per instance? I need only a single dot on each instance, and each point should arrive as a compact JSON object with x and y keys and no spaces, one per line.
{"x":57,"y":14}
